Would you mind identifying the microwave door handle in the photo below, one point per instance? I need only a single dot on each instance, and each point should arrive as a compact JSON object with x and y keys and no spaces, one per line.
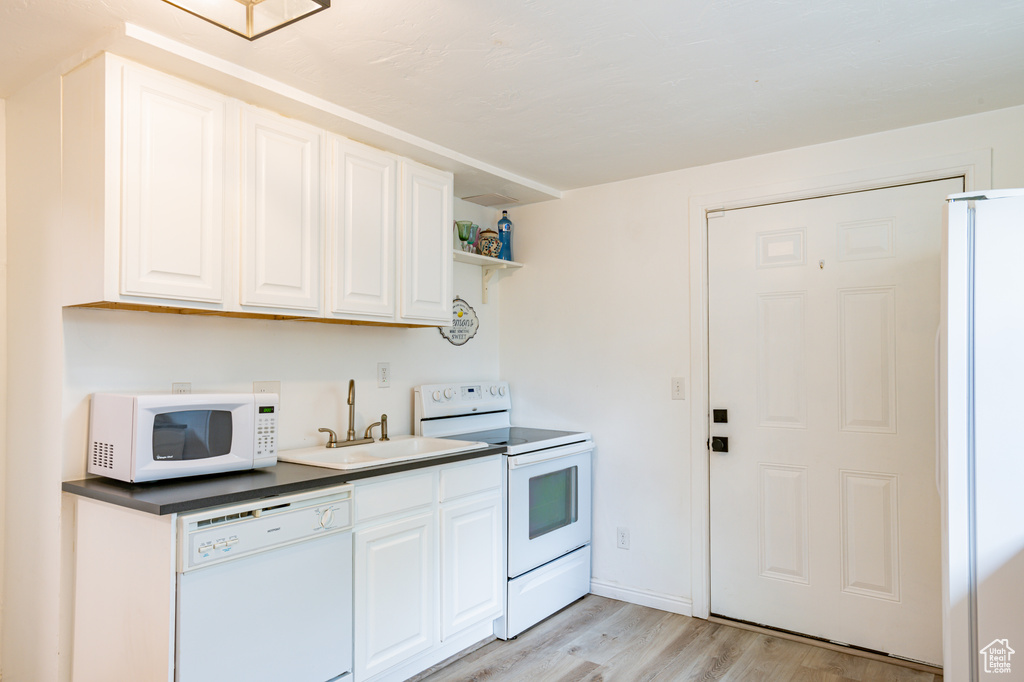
{"x":518,"y":461}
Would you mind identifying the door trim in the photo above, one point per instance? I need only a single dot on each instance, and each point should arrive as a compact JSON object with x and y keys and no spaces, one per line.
{"x":976,"y":169}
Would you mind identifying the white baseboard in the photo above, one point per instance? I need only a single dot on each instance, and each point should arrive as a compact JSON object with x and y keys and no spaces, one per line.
{"x":633,"y":595}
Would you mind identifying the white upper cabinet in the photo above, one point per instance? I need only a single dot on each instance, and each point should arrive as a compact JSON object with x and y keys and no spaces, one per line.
{"x":426,"y":245}
{"x":173,"y":182}
{"x":281,"y":212}
{"x":144,"y":187}
{"x":177,"y":197}
{"x":361,"y":232}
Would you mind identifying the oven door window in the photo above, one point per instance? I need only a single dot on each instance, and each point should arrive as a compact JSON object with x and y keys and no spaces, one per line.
{"x":554,"y":503}
{"x":191,"y":434}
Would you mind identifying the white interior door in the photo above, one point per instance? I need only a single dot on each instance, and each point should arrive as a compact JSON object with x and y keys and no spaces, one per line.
{"x":822,"y":323}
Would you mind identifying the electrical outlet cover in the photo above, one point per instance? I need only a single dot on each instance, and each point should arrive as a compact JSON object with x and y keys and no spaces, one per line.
{"x":267,"y":387}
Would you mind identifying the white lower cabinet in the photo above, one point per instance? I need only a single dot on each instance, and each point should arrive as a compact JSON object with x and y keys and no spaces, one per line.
{"x":471,"y":567}
{"x":394,"y":592}
{"x":428,"y":550}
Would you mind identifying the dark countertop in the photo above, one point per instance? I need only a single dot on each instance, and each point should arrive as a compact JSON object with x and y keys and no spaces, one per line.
{"x":200,"y":492}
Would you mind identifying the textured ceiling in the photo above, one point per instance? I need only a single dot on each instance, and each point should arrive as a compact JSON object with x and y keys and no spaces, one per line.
{"x":575,"y":93}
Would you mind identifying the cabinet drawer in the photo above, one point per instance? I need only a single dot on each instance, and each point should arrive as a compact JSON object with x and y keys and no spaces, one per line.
{"x":474,"y":477}
{"x":387,"y":497}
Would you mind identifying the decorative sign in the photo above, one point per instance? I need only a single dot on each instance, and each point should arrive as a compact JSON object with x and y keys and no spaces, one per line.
{"x":465,"y":324}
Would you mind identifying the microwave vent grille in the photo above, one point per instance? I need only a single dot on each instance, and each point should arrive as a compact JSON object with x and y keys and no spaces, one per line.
{"x":103,"y":455}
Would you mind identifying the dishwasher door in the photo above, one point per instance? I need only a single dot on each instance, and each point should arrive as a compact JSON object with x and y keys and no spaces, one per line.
{"x":265,"y":590}
{"x":284,"y":614}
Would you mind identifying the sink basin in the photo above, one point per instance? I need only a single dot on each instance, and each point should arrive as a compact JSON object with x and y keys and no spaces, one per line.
{"x":398,"y":449}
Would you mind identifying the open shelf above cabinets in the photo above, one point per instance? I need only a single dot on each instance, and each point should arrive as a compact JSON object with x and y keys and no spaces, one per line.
{"x":488,"y":266}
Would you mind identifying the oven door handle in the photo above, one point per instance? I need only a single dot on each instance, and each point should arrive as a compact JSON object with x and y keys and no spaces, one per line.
{"x":548,"y":455}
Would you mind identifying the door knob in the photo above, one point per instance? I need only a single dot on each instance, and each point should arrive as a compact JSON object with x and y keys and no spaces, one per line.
{"x":719,"y":444}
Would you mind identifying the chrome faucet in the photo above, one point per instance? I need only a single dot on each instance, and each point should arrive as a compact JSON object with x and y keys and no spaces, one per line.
{"x":350,"y":438}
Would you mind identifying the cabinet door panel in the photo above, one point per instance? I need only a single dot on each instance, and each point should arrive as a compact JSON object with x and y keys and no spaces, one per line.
{"x":471,"y":569}
{"x":281,"y":213}
{"x":394,"y":593}
{"x":362,"y":231}
{"x":426,"y":247}
{"x":172,"y":229}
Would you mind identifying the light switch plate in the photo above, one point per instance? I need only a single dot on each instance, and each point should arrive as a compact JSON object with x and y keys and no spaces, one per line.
{"x":678,"y":388}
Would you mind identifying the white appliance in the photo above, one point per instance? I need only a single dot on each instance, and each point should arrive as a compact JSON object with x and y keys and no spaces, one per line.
{"x":981,"y":473}
{"x":147,"y":437}
{"x":547,"y":494}
{"x":265,"y":590}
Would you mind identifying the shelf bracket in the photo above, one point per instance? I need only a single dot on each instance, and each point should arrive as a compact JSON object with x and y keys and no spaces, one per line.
{"x":485,"y":278}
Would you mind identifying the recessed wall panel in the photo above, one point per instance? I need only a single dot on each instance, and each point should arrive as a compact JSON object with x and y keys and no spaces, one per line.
{"x":867,"y":359}
{"x":784,"y":248}
{"x":782,"y":514}
{"x":781,"y":386}
{"x":870,"y":534}
{"x":867,"y":239}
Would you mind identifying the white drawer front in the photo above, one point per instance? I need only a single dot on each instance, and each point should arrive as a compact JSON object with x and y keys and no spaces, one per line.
{"x":378,"y":499}
{"x":471,"y":477}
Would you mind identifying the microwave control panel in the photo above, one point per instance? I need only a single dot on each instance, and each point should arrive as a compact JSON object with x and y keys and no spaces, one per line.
{"x":266,"y":429}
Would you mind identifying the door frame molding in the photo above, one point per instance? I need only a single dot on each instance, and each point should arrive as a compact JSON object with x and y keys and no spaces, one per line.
{"x":976,"y":169}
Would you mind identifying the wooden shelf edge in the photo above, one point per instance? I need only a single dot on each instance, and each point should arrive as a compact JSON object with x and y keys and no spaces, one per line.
{"x":177,"y":310}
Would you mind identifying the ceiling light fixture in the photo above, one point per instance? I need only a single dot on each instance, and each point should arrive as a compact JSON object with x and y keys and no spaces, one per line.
{"x":251,"y":19}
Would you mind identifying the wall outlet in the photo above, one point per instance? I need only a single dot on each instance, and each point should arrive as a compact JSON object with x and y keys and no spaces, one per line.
{"x":181,"y":387}
{"x":622,"y":537}
{"x":383,"y":375}
{"x":678,"y":388}
{"x":267,"y":387}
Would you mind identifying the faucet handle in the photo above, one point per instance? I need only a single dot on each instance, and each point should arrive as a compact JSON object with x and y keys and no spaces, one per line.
{"x":332,"y":439}
{"x":383,"y":424}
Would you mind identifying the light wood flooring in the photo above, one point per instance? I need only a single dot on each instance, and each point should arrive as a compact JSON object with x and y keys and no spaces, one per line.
{"x":599,"y":639}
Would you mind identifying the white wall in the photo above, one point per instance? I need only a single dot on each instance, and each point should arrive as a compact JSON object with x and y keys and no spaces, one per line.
{"x":32,"y":491}
{"x":3,"y":345}
{"x":597,"y":322}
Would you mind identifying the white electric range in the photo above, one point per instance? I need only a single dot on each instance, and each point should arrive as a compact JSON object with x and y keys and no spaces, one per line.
{"x":547,"y":493}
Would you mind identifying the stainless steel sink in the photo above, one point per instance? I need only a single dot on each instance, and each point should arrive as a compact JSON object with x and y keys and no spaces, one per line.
{"x":398,"y":449}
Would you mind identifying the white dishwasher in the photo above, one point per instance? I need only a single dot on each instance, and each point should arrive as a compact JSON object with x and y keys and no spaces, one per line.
{"x":265,"y":590}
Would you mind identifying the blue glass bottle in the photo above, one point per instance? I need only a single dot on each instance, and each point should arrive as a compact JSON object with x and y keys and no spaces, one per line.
{"x":505,"y":236}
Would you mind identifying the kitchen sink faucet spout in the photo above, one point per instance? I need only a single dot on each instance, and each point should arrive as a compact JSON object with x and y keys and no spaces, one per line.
{"x":351,"y":410}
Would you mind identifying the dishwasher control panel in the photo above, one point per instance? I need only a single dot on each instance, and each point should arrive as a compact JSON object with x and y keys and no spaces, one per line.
{"x":222,"y":534}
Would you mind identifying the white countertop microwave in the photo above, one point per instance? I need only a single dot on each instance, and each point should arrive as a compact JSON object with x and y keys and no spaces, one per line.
{"x":149,"y":436}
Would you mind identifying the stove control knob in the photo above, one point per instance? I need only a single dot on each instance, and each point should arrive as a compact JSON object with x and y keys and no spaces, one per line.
{"x":449,"y":393}
{"x":327,"y":517}
{"x":436,"y":396}
{"x":501,"y":390}
{"x":494,"y":390}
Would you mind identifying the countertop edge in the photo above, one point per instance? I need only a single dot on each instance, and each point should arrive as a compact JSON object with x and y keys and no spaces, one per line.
{"x":150,"y":498}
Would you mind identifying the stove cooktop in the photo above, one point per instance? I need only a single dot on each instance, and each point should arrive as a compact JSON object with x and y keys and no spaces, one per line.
{"x":519,"y":439}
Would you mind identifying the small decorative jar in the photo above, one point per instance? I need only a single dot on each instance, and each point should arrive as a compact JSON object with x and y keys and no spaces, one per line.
{"x":489,"y":243}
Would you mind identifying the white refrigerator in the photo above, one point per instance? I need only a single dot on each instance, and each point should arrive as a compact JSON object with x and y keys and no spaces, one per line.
{"x":981,"y":439}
